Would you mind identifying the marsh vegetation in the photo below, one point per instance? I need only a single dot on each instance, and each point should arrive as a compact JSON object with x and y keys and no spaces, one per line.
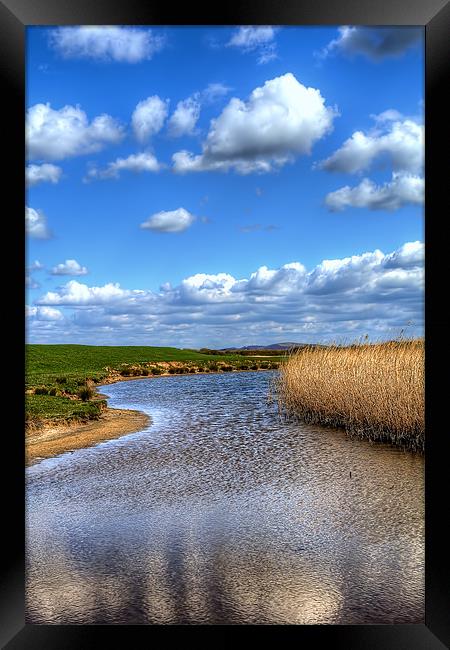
{"x":375,"y":391}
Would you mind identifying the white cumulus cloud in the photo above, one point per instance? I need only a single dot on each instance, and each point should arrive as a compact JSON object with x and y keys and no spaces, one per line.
{"x":411,"y":254}
{"x":169,"y":221}
{"x":148,"y":117}
{"x":187,"y":113}
{"x":36,"y":224}
{"x":45,"y":173}
{"x":400,"y":141}
{"x":69,"y":267}
{"x":75,"y":293}
{"x":370,"y":292}
{"x":106,"y":43}
{"x":136,"y":163}
{"x":396,"y":142}
{"x":403,"y":189}
{"x":185,"y":117}
{"x":56,"y":134}
{"x":44,"y":313}
{"x":280,"y":120}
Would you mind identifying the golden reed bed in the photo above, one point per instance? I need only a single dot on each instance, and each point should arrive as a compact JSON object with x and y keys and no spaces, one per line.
{"x":374,"y":391}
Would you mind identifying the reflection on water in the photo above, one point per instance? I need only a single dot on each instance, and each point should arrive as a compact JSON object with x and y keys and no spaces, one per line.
{"x":220,"y":513}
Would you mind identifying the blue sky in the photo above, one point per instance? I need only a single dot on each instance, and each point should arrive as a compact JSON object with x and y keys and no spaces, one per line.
{"x":216,"y":186}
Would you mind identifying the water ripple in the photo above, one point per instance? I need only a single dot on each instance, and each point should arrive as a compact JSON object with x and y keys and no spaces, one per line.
{"x":220,"y":513}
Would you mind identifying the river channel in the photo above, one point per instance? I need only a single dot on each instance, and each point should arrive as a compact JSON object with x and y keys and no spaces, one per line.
{"x":219,"y":512}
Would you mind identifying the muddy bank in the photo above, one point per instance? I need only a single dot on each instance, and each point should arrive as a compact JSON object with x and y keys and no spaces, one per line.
{"x":54,"y":439}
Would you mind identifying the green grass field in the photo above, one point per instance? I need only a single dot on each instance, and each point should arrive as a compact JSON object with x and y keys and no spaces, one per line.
{"x":76,"y":360}
{"x":46,"y":407}
{"x":55,"y":372}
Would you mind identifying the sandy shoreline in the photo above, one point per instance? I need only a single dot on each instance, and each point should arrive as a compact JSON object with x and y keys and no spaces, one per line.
{"x":54,"y":439}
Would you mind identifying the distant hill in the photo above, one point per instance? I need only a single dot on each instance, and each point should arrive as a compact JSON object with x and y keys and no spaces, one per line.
{"x":273,"y":346}
{"x":272,"y":350}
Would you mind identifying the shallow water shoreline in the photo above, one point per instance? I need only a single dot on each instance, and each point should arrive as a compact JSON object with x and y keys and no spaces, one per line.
{"x":54,"y":439}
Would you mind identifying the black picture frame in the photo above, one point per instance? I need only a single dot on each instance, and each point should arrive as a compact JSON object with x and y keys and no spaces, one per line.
{"x":434,"y":16}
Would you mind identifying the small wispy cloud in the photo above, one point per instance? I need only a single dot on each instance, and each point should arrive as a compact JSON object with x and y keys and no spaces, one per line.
{"x":213,"y":92}
{"x":135,"y":163}
{"x":36,"y":224}
{"x":35,"y":266}
{"x":45,"y":173}
{"x":255,"y":227}
{"x":256,"y":39}
{"x":184,"y":119}
{"x":106,"y":43}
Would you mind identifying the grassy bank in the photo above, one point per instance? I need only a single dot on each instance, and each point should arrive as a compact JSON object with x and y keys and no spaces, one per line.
{"x":61,"y":379}
{"x":56,"y":437}
{"x":374,"y":391}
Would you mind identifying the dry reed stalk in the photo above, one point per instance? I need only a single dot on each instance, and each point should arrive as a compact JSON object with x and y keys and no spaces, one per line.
{"x":375,"y":391}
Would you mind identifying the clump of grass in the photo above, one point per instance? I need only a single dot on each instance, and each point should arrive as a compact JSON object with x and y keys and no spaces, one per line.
{"x":374,"y":391}
{"x":227,"y":368}
{"x":85,"y":393}
{"x":156,"y":371}
{"x":41,"y":390}
{"x":70,"y":389}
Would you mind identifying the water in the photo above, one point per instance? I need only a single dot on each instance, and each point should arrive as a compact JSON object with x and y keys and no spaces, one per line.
{"x":218,"y":512}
